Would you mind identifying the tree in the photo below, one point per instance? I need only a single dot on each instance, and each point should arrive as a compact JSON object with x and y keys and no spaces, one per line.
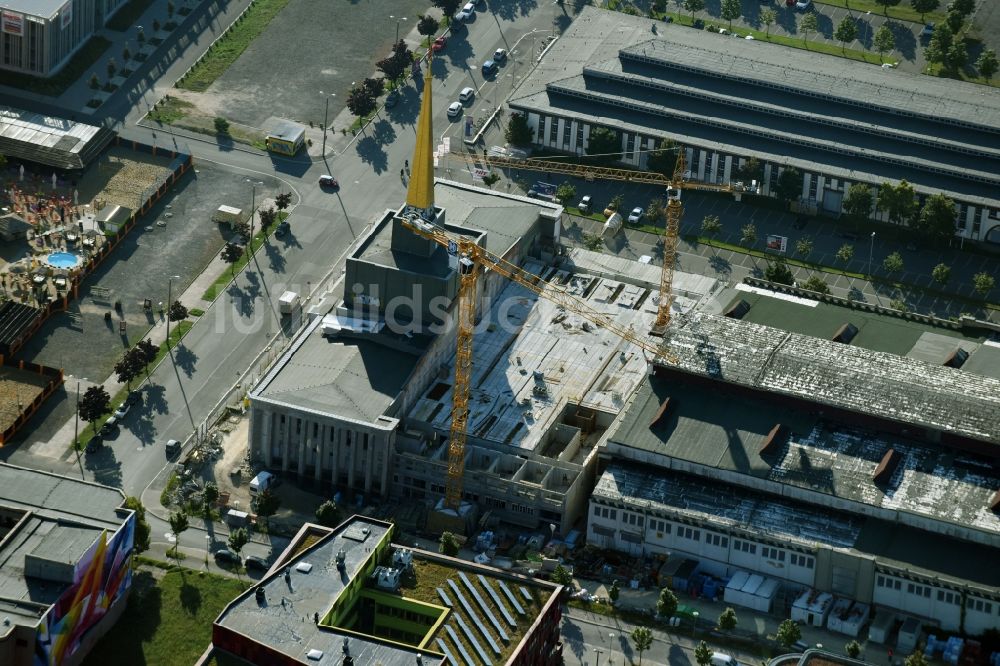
{"x":693,"y":6}
{"x":221,"y":125}
{"x":140,"y":36}
{"x":779,"y":272}
{"x":360,"y":101}
{"x":519,"y":132}
{"x":663,"y":158}
{"x":237,"y":539}
{"x":242,"y":228}
{"x":170,"y":9}
{"x":893,"y":263}
{"x":562,"y":576}
{"x":941,"y":274}
{"x":112,"y":68}
{"x":374,"y":86}
{"x":804,"y":246}
{"x":936,"y":220}
{"x":983,"y":283}
{"x":427,"y":26}
{"x":604,"y":144}
{"x":858,"y":202}
{"x":129,"y":367}
{"x":565,"y":193}
{"x":95,"y":82}
{"x":853,"y":649}
{"x":768,"y":17}
{"x":845,"y":253}
{"x":642,"y":639}
{"x":924,"y":6}
{"x":963,"y":7}
{"x":847,"y":31}
{"x":817,"y":284}
{"x":616,"y":202}
{"x":126,"y":54}
{"x":884,"y":41}
{"x":231,"y":253}
{"x":750,"y":170}
{"x":703,"y":654}
{"x":614,"y":592}
{"x":447,"y":7}
{"x":209,"y":497}
{"x":807,"y":24}
{"x":491,"y":179}
{"x":886,"y":4}
{"x":177,"y":311}
{"x":957,"y":55}
{"x":268,"y":504}
{"x":156,"y":25}
{"x":937,"y":48}
{"x":666,"y":604}
{"x":898,"y":202}
{"x":731,"y":9}
{"x":448,"y":544}
{"x":986,"y":64}
{"x":148,"y":352}
{"x":395,"y":64}
{"x":915,"y":659}
{"x":283,"y":200}
{"x":327,"y":514}
{"x":728,"y":619}
{"x":178,"y":524}
{"x":748,"y":234}
{"x":788,"y":633}
{"x":789,"y":185}
{"x":142,"y":531}
{"x":94,"y":404}
{"x":954,"y":20}
{"x":711,"y":226}
{"x":268,"y":216}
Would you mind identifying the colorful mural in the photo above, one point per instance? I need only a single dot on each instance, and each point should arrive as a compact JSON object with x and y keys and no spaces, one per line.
{"x":101,"y":577}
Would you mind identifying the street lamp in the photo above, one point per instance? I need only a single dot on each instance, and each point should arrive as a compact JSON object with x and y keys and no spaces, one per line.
{"x":611,"y":649}
{"x":397,"y":19}
{"x":326,"y":115}
{"x":871,"y":249}
{"x":597,"y":659}
{"x":170,"y":284}
{"x":694,"y":622}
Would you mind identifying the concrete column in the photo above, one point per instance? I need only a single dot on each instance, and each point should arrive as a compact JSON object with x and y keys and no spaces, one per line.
{"x":289,"y":429}
{"x":320,"y":453}
{"x":766,"y":185}
{"x":351,"y":458}
{"x":385,"y":444}
{"x":305,"y":446}
{"x":369,"y":454}
{"x":728,"y":170}
{"x":264,"y":435}
{"x":701,"y":167}
{"x":335,"y":460}
{"x":572,"y":135}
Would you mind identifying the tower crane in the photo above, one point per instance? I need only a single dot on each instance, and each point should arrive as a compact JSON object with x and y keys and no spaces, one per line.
{"x":471,"y":257}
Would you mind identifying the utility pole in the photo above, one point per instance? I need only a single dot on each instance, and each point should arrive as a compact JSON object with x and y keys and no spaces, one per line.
{"x":170,"y":302}
{"x":76,"y":421}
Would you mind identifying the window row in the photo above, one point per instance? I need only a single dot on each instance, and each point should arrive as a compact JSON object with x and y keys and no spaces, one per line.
{"x":775,"y":554}
{"x":802,"y":561}
{"x":605,"y":512}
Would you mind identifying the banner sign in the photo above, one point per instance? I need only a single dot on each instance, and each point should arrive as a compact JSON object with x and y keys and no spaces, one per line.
{"x":777,"y":244}
{"x":478,"y":174}
{"x":66,"y":14}
{"x":13,"y":23}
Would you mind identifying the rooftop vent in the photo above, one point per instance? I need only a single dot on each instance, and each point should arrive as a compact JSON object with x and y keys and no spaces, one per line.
{"x":887,"y":467}
{"x":341,"y":558}
{"x":314,"y":655}
{"x":738,"y":310}
{"x":957,"y":358}
{"x":387,"y":578}
{"x":995,"y":502}
{"x":845,"y":333}
{"x":402,"y":558}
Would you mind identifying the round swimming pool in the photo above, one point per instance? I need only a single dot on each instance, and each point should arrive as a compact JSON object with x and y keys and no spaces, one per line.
{"x":62,"y":260}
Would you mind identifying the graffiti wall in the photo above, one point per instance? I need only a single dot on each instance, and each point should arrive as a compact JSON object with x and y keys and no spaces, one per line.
{"x":102,"y":577}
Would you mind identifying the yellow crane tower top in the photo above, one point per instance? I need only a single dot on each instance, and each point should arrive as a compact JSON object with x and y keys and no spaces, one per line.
{"x":420,"y":191}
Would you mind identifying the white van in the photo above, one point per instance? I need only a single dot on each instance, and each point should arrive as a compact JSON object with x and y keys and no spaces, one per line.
{"x":719,"y":659}
{"x":262,"y":482}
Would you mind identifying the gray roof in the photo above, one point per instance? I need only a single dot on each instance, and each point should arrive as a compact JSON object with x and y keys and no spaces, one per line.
{"x":41,"y":8}
{"x":819,"y":456}
{"x":893,"y":545}
{"x":904,"y":390}
{"x":285,"y":621}
{"x":354,"y":378}
{"x":853,"y":121}
{"x":65,"y":517}
{"x":49,"y":140}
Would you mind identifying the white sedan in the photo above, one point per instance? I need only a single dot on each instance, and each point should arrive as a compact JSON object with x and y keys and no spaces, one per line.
{"x":455,"y":109}
{"x":635,"y":215}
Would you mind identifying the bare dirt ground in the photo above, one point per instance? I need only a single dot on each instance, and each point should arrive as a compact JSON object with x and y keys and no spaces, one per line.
{"x":17,"y":388}
{"x":121,"y":176}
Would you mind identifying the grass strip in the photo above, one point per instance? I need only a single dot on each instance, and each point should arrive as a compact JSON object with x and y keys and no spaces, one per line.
{"x":128,"y":15}
{"x":54,"y":86}
{"x":169,"y":110}
{"x":223,"y":280}
{"x":902,"y":12}
{"x":231,"y":45}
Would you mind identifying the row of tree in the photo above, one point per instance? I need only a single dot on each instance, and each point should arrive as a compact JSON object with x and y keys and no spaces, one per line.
{"x":948,"y":47}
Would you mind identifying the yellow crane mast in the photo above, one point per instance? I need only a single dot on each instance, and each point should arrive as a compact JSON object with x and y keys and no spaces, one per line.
{"x":471,"y":257}
{"x":671,"y":233}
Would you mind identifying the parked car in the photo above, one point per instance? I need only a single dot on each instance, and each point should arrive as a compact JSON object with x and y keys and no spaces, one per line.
{"x":585,"y":203}
{"x":226,"y":557}
{"x":95,"y":443}
{"x":109,"y":426}
{"x":455,"y":109}
{"x":391,"y":99}
{"x":500,"y":56}
{"x":282,"y":229}
{"x":469,"y":8}
{"x":256,"y":562}
{"x":803,"y":4}
{"x":466,"y":95}
{"x":328,"y":181}
{"x":635,"y":215}
{"x":134,"y":397}
{"x":173,"y":447}
{"x":122,"y":410}
{"x":790,"y":3}
{"x":927,"y":33}
{"x":439,"y":44}
{"x":490,"y":68}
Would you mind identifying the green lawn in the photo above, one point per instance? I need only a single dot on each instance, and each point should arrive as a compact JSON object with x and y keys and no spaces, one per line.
{"x":227,"y":276}
{"x":903,"y":11}
{"x":53,"y":86}
{"x":169,"y":618}
{"x":169,"y":110}
{"x":128,"y":15}
{"x":236,"y":40}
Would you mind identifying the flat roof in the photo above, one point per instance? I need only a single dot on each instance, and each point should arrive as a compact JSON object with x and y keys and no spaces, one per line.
{"x":49,"y":140}
{"x":820,"y":456}
{"x":355,"y":378}
{"x":62,"y":518}
{"x":736,"y":94}
{"x":41,"y":8}
{"x":782,"y":520}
